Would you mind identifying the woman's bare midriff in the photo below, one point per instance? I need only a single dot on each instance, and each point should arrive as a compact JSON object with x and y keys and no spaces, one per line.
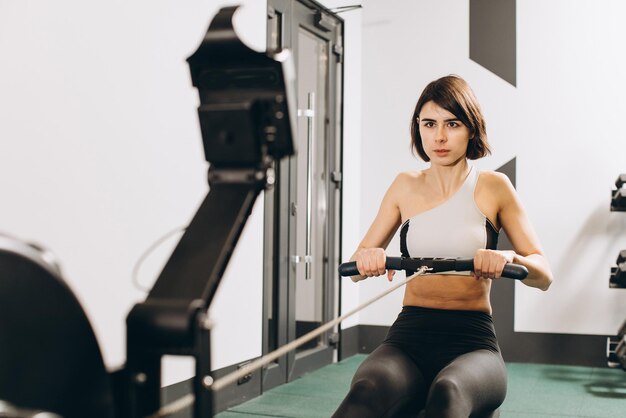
{"x":463,"y":293}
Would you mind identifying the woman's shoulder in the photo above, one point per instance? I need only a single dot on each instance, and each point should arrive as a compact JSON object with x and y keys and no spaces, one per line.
{"x":495,"y":181}
{"x":405,"y":182}
{"x":409,"y":175}
{"x":494,"y":177}
{"x":405,"y":178}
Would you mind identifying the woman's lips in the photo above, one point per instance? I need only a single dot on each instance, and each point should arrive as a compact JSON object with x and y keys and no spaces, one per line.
{"x":442,"y":152}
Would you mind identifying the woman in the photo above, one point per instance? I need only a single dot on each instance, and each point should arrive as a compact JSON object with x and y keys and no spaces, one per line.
{"x":441,"y":355}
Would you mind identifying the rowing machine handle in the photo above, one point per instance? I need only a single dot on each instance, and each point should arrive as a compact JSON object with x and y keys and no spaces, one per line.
{"x":511,"y":271}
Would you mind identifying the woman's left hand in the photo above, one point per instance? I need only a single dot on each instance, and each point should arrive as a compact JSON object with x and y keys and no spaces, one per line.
{"x":488,"y":264}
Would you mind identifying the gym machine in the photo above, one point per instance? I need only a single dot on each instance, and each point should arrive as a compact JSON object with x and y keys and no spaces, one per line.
{"x":616,"y":346}
{"x":49,"y":357}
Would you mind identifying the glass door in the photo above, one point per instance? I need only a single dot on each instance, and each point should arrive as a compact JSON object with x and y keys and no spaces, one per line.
{"x":301,"y":287}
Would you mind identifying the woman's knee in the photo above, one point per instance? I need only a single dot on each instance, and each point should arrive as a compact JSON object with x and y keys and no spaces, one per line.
{"x":364,"y":390}
{"x":366,"y":394}
{"x":381,"y":385}
{"x":388,"y":369}
{"x":446,"y":394}
{"x":446,"y":388}
{"x":383,"y":388}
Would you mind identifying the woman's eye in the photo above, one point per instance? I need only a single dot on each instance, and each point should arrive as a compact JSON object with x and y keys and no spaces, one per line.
{"x":429,"y":124}
{"x":453,"y":124}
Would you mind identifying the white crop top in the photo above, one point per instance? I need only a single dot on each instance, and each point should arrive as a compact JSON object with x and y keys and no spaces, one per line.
{"x":454,"y":229}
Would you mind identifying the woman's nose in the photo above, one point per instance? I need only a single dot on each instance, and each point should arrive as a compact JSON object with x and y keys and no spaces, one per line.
{"x":441,"y":134}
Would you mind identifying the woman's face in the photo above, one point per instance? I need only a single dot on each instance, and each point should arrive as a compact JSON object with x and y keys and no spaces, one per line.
{"x":444,"y":136}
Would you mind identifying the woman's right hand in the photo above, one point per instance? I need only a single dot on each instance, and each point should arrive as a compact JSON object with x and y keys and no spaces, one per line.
{"x":371,"y":263}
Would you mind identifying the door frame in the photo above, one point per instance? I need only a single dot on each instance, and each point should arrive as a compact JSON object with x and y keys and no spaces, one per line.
{"x":284,"y":20}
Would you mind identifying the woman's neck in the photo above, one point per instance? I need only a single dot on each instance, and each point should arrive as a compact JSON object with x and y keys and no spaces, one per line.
{"x":447,"y":179}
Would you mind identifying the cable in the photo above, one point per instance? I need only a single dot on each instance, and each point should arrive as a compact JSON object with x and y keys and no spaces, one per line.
{"x":343,"y":9}
{"x":268,"y":358}
{"x":147,"y":252}
{"x":187,"y":400}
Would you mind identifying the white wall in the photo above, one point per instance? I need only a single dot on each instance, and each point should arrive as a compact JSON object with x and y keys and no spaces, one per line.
{"x":561,"y":122}
{"x":101,"y":154}
{"x":574,"y":77}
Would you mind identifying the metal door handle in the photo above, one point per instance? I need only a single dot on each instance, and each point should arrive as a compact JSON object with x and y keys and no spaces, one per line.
{"x":308,"y":113}
{"x":309,"y":182}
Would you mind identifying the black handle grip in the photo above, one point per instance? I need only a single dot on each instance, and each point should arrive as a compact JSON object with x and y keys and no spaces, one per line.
{"x":349,"y":269}
{"x":514,"y":271}
{"x":510,"y":271}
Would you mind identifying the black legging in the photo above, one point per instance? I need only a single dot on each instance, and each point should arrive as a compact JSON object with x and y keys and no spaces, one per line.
{"x":392,"y":383}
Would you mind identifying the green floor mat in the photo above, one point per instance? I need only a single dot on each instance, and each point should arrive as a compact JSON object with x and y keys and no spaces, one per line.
{"x":534,"y":390}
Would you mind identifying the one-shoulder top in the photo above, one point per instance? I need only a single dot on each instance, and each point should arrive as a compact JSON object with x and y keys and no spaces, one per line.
{"x":456,"y":228}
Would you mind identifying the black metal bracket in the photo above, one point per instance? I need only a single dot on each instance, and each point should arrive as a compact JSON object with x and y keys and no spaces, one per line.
{"x":246,"y":107}
{"x":618,"y":195}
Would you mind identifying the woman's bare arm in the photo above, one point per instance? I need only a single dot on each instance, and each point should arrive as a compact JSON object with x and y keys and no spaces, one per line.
{"x":518,"y":228}
{"x":370,"y":254}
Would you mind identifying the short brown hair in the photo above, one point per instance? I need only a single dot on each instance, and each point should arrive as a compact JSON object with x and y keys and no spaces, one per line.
{"x":455,"y":95}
